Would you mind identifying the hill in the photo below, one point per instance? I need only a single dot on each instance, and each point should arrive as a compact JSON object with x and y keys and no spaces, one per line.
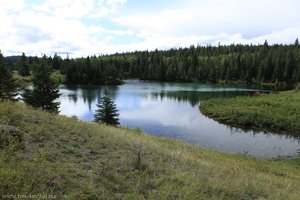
{"x":45,"y":154}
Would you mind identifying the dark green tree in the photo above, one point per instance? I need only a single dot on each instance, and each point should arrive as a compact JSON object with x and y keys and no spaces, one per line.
{"x":289,"y":66}
{"x":249,"y":63}
{"x":24,"y":66}
{"x":56,"y":61}
{"x":8,"y":87}
{"x":45,"y":92}
{"x":296,"y":42}
{"x":106,"y":110}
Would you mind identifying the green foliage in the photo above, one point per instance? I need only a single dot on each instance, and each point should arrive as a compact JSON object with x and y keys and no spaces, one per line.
{"x":24,"y":66}
{"x":93,"y":70}
{"x":263,"y":63}
{"x":45,"y":92}
{"x":57,"y":77}
{"x":25,"y":81}
{"x":107,"y":112}
{"x":79,"y":160}
{"x":247,"y":63}
{"x":8,"y":87}
{"x":56,"y":62}
{"x":268,"y":112}
{"x":22,"y":81}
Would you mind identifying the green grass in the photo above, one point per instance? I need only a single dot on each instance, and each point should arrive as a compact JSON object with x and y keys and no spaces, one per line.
{"x":24,"y":81}
{"x":72,"y":159}
{"x":268,"y":112}
{"x":57,"y":77}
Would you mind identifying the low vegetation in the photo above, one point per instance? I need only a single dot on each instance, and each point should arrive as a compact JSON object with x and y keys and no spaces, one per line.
{"x":267,"y":112}
{"x":57,"y":77}
{"x":24,"y":81}
{"x":42,"y":153}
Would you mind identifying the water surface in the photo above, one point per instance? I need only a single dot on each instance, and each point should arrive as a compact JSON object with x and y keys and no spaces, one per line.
{"x":172,"y":110}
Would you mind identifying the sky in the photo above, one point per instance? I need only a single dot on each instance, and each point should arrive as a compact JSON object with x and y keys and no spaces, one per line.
{"x":79,"y":28}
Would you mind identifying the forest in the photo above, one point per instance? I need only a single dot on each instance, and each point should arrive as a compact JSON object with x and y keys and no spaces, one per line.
{"x":271,"y":64}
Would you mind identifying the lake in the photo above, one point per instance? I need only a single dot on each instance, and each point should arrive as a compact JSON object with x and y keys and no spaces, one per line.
{"x":172,"y":110}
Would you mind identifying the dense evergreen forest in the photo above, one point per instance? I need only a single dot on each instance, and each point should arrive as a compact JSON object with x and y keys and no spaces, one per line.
{"x":276,"y":64}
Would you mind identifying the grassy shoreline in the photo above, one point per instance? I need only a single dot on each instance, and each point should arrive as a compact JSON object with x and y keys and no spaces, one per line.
{"x":73,"y":159}
{"x":275,"y":112}
{"x":24,"y":81}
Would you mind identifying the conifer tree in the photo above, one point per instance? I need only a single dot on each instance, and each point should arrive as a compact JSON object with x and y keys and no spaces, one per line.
{"x":24,"y":66}
{"x":8,"y":87}
{"x":56,"y":62}
{"x":296,"y":42}
{"x":45,"y":92}
{"x":106,"y":110}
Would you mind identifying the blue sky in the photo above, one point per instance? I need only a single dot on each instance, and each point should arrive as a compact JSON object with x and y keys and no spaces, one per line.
{"x":88,"y":27}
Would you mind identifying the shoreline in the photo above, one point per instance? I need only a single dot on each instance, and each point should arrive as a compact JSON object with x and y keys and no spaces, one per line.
{"x":278,"y":113}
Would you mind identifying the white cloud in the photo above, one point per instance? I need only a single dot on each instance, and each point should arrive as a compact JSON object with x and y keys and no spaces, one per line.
{"x":65,"y":8}
{"x":78,"y":8}
{"x":54,"y":26}
{"x":213,"y":21}
{"x":88,"y":27}
{"x":284,"y":36}
{"x":11,"y":5}
{"x":215,"y":17}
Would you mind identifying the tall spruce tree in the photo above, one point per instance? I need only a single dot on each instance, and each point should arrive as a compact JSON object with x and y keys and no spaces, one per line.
{"x":8,"y":87}
{"x":56,"y":62}
{"x":107,"y":112}
{"x":45,"y":92}
{"x":24,"y":66}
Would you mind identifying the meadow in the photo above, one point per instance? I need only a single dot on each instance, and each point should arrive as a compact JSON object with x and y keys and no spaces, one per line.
{"x":274,"y":112}
{"x":72,"y":159}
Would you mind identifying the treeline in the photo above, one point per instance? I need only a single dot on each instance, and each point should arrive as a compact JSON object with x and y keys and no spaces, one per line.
{"x":44,"y":93}
{"x":278,"y":64}
{"x":90,"y":70}
{"x":94,"y":70}
{"x":247,"y":63}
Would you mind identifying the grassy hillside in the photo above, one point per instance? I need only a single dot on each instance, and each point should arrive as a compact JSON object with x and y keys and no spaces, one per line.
{"x":267,"y":112}
{"x":71,"y":159}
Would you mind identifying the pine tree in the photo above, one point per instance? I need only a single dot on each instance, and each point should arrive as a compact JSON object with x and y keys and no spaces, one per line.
{"x":296,"y":42}
{"x":44,"y":92}
{"x":107,"y":112}
{"x":56,"y":62}
{"x":8,"y":86}
{"x":23,"y":66}
{"x":289,"y":66}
